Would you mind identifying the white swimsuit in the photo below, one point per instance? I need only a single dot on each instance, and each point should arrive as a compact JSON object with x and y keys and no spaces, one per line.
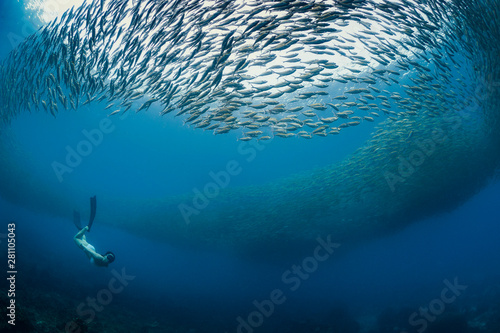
{"x":90,"y":248}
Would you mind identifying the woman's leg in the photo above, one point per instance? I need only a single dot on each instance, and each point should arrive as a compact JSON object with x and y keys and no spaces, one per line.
{"x":81,"y":234}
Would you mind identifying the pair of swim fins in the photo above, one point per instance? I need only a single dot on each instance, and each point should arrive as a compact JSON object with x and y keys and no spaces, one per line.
{"x":76,"y":215}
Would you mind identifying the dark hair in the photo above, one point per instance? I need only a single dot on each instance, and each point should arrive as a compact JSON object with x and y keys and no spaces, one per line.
{"x":111,"y":256}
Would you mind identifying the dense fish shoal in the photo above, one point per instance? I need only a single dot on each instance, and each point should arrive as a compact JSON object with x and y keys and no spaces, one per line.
{"x":278,"y":70}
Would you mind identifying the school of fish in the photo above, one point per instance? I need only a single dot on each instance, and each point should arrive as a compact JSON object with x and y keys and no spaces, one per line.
{"x":267,"y":69}
{"x":263,"y":68}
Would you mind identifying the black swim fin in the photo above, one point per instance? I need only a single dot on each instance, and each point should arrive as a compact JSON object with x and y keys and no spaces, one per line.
{"x":76,"y":220}
{"x":92,"y":211}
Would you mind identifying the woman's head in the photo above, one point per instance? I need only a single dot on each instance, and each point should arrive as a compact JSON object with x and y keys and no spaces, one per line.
{"x":110,"y":256}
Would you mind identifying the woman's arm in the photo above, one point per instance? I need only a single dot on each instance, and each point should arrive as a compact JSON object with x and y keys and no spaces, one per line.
{"x":98,"y":259}
{"x":96,"y":256}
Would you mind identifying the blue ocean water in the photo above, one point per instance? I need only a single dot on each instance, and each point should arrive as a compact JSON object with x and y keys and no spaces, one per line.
{"x":374,"y":287}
